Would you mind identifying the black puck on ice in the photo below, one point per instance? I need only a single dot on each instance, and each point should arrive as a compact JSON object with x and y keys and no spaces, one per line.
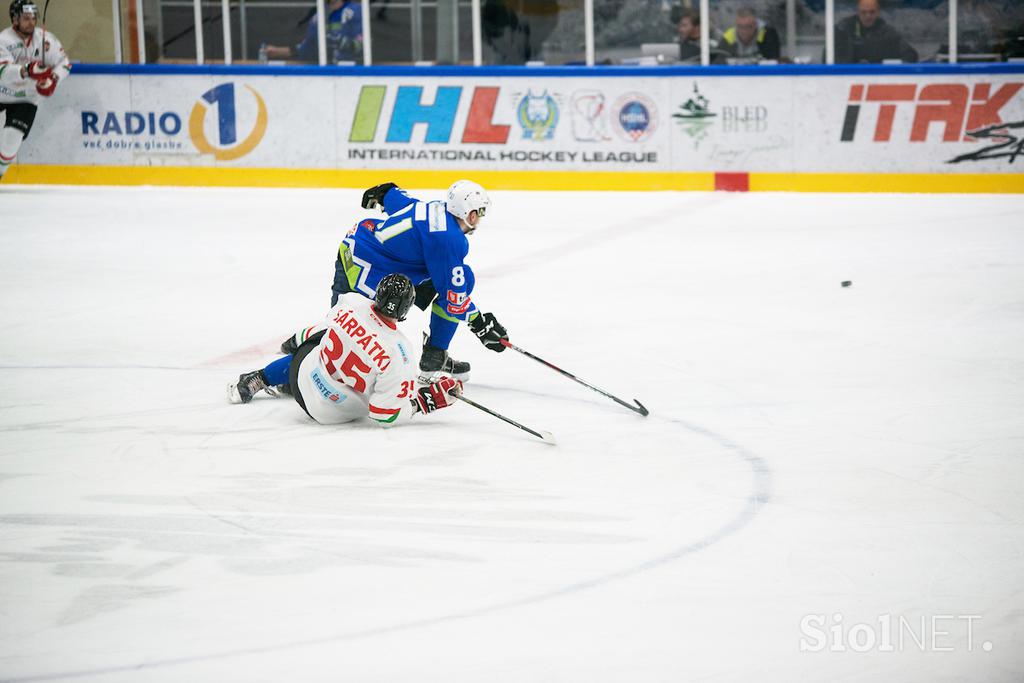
{"x":847,"y":283}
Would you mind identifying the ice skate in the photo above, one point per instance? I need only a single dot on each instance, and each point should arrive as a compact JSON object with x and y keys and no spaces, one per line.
{"x":247,"y":386}
{"x":435,"y":363}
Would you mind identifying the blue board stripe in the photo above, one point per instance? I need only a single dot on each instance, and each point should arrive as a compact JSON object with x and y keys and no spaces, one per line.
{"x":551,"y":71}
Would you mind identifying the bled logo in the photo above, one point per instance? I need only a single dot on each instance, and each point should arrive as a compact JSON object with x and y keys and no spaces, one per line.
{"x":637,"y":117}
{"x":694,"y":116}
{"x":538,"y":116}
{"x":227,"y":147}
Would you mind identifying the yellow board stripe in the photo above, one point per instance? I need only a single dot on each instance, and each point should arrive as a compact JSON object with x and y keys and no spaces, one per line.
{"x":602,"y":181}
{"x":1003,"y":183}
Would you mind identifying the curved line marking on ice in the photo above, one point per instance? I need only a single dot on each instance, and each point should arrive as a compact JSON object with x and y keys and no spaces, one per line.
{"x":760,"y":494}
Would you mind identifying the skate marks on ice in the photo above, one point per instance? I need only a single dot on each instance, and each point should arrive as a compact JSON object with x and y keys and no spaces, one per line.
{"x":311,"y":538}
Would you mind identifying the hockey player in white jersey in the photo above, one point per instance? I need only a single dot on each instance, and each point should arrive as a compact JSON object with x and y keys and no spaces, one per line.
{"x":358,"y":363}
{"x":31,"y":66}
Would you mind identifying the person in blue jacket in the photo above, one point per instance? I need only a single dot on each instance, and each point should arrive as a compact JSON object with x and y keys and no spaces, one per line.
{"x":344,"y":34}
{"x":427,"y":242}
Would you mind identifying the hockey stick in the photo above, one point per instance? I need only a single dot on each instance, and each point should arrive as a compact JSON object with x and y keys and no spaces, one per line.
{"x":45,"y":8}
{"x":545,"y":436}
{"x":638,"y":408}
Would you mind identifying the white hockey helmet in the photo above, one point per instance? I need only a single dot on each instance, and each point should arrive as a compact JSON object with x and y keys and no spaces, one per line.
{"x":464,"y":197}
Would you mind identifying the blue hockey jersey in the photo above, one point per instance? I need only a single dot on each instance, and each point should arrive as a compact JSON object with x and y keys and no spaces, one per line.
{"x":422,"y":241}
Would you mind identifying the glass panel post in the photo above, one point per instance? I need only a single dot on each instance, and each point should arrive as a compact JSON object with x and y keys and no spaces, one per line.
{"x":321,"y":32}
{"x":416,"y":9}
{"x":225,"y":16}
{"x":588,"y":31}
{"x":367,"y":40}
{"x":705,"y":32}
{"x":830,"y":31}
{"x":954,"y":17}
{"x":791,"y":29}
{"x":118,"y":56}
{"x":243,"y":26}
{"x":140,"y":31}
{"x":478,"y":48}
{"x":197,"y":14}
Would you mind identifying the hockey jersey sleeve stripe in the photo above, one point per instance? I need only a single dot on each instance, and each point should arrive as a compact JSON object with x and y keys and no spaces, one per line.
{"x":440,"y":312}
{"x":384,"y":411}
{"x":386,"y":421}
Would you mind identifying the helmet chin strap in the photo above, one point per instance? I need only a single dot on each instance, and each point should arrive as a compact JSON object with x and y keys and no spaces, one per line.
{"x":470,"y":228}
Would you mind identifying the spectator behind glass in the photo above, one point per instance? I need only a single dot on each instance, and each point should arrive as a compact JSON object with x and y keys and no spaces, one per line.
{"x":865,"y":37}
{"x":344,"y":36}
{"x":751,"y":39}
{"x":688,"y":27}
{"x":514,"y":31}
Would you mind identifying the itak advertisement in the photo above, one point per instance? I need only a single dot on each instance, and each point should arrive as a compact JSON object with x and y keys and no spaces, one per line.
{"x":913,"y":123}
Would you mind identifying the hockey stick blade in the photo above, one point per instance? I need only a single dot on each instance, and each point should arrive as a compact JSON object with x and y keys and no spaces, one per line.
{"x":639,"y":408}
{"x":545,"y":436}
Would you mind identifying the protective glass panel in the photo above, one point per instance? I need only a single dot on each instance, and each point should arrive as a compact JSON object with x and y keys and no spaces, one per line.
{"x":523,"y":31}
{"x":421,"y":31}
{"x":286,"y":32}
{"x":178,"y":43}
{"x":84,"y":28}
{"x":767,"y":31}
{"x":990,"y":30}
{"x":898,"y":31}
{"x":643,"y":32}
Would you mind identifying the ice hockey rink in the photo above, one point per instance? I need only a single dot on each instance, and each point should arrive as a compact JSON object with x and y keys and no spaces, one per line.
{"x":828,"y":487}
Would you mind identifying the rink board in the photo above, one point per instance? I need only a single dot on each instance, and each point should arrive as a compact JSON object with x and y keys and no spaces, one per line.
{"x":907,"y":131}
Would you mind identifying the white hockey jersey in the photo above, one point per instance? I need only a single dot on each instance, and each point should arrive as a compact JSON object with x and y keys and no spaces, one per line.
{"x":362,"y":367}
{"x":15,"y":52}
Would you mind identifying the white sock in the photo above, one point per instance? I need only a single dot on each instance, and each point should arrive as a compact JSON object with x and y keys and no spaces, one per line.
{"x":10,"y":142}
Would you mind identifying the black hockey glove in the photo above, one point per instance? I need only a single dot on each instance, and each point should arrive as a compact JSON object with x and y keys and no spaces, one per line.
{"x":374,"y":197}
{"x":489,"y":331}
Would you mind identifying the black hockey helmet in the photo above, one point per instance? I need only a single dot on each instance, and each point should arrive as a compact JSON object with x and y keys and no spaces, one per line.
{"x":395,"y":295}
{"x":19,"y":6}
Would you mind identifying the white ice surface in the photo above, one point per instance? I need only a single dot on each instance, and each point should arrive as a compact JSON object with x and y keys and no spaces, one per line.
{"x":811,"y":449}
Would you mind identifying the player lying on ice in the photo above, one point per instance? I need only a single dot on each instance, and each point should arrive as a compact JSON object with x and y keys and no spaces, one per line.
{"x":357,"y":363}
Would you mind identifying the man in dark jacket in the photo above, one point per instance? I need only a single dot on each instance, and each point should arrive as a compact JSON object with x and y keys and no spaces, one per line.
{"x":866,"y":37}
{"x":687,"y":23}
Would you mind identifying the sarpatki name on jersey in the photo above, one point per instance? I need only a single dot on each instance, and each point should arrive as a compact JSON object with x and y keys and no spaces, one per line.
{"x":364,"y":339}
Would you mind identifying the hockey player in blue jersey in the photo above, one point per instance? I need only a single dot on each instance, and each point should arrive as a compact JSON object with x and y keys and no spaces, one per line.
{"x":425,"y":241}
